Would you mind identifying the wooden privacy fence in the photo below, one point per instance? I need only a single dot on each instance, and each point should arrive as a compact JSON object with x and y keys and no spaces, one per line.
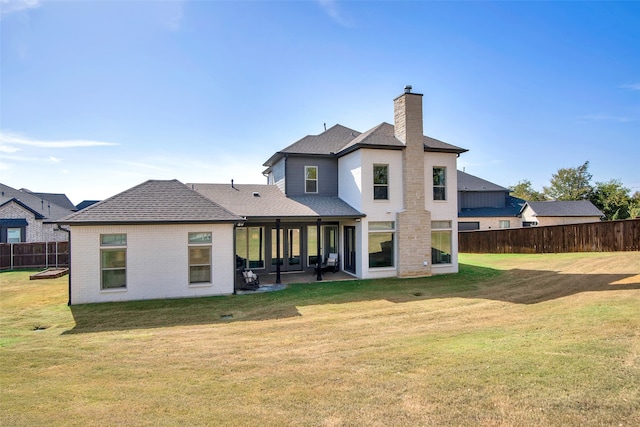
{"x":606,"y":236}
{"x":34,"y":255}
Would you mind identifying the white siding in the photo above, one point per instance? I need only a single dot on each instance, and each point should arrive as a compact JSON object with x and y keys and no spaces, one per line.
{"x":446,"y":210}
{"x":157,"y":262}
{"x":350,"y":179}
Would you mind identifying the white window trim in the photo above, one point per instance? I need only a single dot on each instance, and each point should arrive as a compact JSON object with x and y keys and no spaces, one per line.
{"x":126,"y":268}
{"x":373,"y":181}
{"x":394,"y":232}
{"x":450,"y":230}
{"x":317,"y":180}
{"x":189,"y":265}
{"x":433,"y":186}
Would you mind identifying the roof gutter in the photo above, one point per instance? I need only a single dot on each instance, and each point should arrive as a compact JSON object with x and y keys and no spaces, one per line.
{"x":69,"y":233}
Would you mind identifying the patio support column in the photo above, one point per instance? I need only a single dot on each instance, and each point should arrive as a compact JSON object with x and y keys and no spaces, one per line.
{"x":277,"y":251}
{"x":319,"y":264}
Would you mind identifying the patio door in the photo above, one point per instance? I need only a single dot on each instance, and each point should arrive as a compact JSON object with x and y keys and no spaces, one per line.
{"x":290,"y":245}
{"x":350,"y":249}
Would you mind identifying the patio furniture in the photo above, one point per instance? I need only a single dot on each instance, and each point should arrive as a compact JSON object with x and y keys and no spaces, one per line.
{"x":333,"y":262}
{"x":251,"y":280}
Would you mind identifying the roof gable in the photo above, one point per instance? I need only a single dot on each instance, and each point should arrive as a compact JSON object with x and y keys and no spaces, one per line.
{"x":36,"y":214}
{"x":154,"y":202}
{"x":327,"y":143}
{"x":46,"y":208}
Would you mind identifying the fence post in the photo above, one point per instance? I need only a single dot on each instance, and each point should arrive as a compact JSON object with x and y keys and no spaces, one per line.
{"x":57,"y":250}
{"x":46,"y":254}
{"x":11,"y":256}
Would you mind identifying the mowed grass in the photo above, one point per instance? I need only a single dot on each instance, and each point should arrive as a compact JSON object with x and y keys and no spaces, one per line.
{"x":510,"y":340}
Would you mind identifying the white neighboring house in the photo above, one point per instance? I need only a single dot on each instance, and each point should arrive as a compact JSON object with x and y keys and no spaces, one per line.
{"x":157,"y":240}
{"x":384,"y":201}
{"x":559,"y":212}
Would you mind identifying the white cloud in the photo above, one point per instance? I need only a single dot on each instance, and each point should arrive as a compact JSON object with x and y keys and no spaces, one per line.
{"x":330,"y":7}
{"x":8,"y":139}
{"x":7,"y":149}
{"x":11,"y":6}
{"x":633,"y":86}
{"x":54,"y":159}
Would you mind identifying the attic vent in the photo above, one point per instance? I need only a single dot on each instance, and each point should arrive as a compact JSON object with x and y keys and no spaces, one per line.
{"x":256,"y":194}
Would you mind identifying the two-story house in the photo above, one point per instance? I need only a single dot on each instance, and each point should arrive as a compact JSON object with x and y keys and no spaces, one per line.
{"x":384,"y":201}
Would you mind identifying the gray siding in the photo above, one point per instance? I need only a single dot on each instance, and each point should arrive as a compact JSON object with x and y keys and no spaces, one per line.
{"x":327,"y":175}
{"x":278,"y":174}
{"x":481,"y":199}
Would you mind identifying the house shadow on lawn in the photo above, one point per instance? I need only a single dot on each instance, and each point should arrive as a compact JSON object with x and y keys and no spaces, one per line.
{"x":516,"y":286}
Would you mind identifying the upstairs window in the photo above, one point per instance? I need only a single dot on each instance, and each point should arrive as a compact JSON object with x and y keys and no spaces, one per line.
{"x":380,"y":182}
{"x":439,"y":183}
{"x":310,"y":179}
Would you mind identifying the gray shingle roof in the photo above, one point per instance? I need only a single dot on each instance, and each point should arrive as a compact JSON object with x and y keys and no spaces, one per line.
{"x":513,"y":206}
{"x":330,"y":141}
{"x":153,"y":202}
{"x":341,"y":140}
{"x":564,"y":208}
{"x":267,"y":201}
{"x":467,"y":182}
{"x":47,"y":209}
{"x":59,"y":199}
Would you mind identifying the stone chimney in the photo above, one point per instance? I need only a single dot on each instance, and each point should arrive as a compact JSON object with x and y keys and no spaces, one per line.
{"x":413,"y":223}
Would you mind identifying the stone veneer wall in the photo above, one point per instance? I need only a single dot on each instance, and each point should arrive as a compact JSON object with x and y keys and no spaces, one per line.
{"x":413,"y":223}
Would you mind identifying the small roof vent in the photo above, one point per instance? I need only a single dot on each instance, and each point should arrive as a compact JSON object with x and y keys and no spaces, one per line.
{"x":407,"y":89}
{"x":256,"y":194}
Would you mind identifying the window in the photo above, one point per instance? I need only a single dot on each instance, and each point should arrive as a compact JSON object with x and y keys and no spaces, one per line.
{"x":113,"y":261}
{"x":381,"y":246}
{"x":310,"y":179}
{"x":505,"y":223}
{"x":440,"y":242}
{"x":328,"y":242}
{"x":250,"y":247}
{"x":14,"y":235}
{"x":200,"y":257}
{"x":380,"y":182}
{"x":439,"y":183}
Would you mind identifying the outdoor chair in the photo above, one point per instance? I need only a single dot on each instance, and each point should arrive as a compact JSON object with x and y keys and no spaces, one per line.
{"x":333,"y":262}
{"x":251,"y":280}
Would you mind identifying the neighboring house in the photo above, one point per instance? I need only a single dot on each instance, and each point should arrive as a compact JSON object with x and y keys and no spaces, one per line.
{"x":85,"y":204}
{"x":30,"y":217}
{"x":483,"y":205}
{"x":383,"y":200}
{"x":559,"y":212}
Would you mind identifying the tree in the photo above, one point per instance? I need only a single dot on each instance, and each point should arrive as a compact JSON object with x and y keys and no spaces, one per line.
{"x":524,"y":190}
{"x":634,"y":205}
{"x":612,"y":198}
{"x":570,"y":184}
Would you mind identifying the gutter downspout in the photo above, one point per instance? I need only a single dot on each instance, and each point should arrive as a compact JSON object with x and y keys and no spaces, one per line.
{"x":69,"y":233}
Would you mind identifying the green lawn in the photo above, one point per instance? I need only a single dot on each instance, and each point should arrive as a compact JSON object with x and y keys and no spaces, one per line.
{"x":510,"y":340}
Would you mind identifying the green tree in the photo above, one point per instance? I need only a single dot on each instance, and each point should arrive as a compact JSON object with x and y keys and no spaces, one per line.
{"x":524,"y":190}
{"x":612,"y":198}
{"x":634,"y":205}
{"x":570,"y":184}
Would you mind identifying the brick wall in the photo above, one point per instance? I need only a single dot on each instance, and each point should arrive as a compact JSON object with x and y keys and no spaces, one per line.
{"x":157,"y":262}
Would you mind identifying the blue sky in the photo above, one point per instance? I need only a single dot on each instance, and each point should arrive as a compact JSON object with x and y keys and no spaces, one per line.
{"x":97,"y":97}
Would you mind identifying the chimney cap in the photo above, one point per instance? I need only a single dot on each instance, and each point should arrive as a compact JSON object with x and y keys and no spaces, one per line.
{"x":407,"y":89}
